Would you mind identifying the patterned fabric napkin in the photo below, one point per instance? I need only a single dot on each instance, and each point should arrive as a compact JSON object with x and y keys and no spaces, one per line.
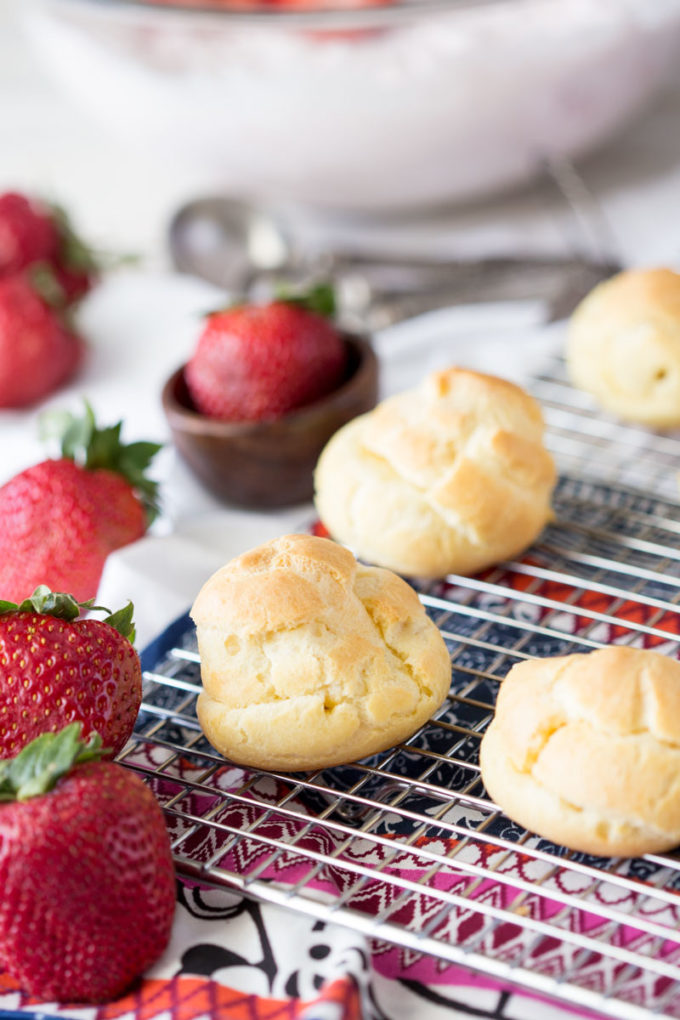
{"x":231,"y":958}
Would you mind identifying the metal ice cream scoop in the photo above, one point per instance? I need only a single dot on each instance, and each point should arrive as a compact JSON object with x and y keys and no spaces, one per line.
{"x":249,"y":251}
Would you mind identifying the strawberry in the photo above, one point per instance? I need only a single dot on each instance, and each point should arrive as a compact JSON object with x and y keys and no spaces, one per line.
{"x":56,"y":668}
{"x":38,"y":350}
{"x":33,"y":232}
{"x":61,"y":518}
{"x":258,"y":362}
{"x":27,"y":233}
{"x":88,"y":891}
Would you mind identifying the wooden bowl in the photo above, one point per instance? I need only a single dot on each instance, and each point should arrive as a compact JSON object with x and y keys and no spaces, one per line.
{"x":270,"y":463}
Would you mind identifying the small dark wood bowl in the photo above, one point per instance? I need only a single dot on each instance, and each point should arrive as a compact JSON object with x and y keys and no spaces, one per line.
{"x":271,"y":463}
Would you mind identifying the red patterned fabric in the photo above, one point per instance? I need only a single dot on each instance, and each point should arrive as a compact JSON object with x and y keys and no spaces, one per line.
{"x":187,"y":998}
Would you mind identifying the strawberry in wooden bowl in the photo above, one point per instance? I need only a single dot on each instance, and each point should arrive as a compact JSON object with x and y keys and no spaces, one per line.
{"x":258,"y":362}
{"x":264,"y":390}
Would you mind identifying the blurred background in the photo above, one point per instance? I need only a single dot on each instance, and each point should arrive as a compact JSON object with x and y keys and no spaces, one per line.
{"x":425,"y":132}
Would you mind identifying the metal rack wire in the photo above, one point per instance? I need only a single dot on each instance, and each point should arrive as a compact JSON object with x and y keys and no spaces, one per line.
{"x":406,"y":847}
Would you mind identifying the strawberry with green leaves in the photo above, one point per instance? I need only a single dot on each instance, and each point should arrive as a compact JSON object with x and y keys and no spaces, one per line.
{"x":61,"y":518}
{"x":27,"y":233}
{"x":34,"y":232}
{"x":44,"y":269}
{"x":58,"y":668}
{"x":87,"y":879}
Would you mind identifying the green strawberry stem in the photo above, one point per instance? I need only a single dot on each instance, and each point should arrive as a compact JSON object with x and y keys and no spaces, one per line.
{"x":122,"y":621}
{"x":65,"y":607}
{"x":75,"y":253}
{"x":319,"y":298}
{"x":93,"y":448}
{"x":44,"y":282}
{"x":36,"y":768}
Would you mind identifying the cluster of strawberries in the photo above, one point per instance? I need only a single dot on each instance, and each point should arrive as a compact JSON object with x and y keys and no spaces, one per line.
{"x":85,"y":867}
{"x":86,"y":873}
{"x":87,"y":878}
{"x":44,"y":270}
{"x":62,"y":517}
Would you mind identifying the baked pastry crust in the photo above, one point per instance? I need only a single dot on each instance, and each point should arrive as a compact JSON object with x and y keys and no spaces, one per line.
{"x":310,"y":659}
{"x":448,"y":478}
{"x":585,"y":750}
{"x":623,"y":346}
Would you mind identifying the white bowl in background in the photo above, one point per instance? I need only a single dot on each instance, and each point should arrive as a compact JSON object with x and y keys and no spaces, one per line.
{"x":407,"y":105}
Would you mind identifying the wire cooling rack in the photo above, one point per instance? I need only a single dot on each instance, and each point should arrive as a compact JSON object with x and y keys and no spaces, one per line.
{"x":406,"y":847}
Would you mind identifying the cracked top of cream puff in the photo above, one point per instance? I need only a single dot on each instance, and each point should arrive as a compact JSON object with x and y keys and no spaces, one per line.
{"x":449,"y":477}
{"x":309,"y":658}
{"x":585,"y":750}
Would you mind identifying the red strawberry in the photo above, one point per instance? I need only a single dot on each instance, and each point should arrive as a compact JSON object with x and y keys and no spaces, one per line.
{"x":38,"y":351}
{"x":27,"y":233}
{"x":56,"y":669}
{"x":61,"y":518}
{"x":75,"y":283}
{"x":255,"y":363}
{"x":34,"y":232}
{"x":88,"y":891}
